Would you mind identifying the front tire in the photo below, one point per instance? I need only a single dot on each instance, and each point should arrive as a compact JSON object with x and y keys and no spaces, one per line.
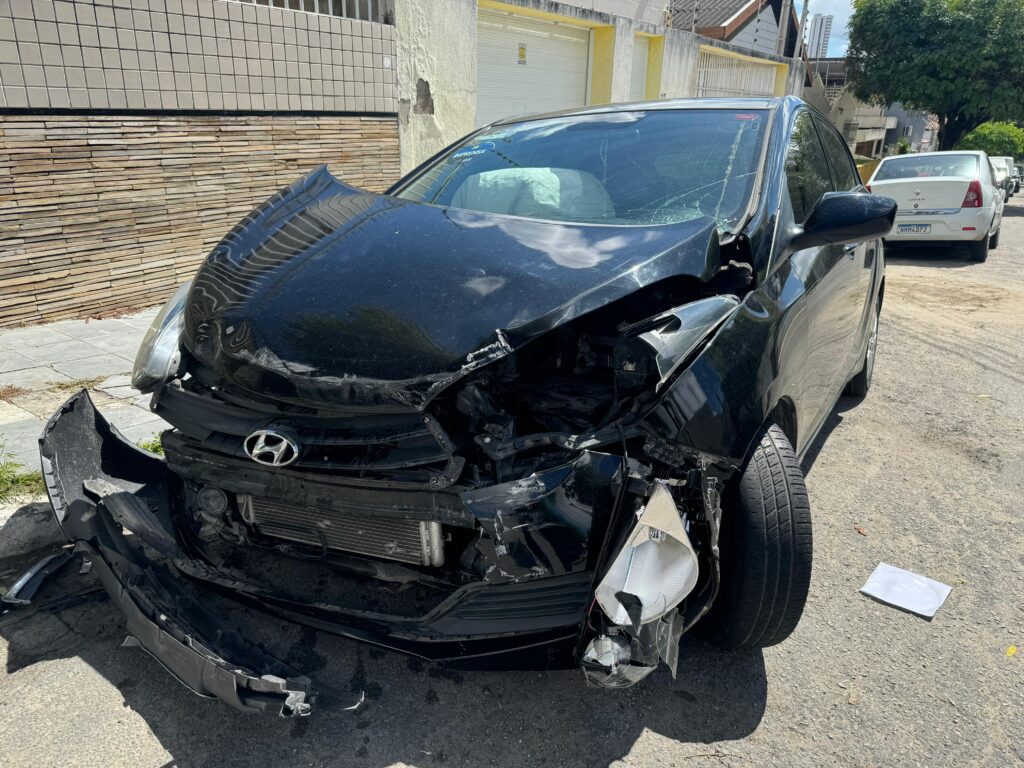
{"x":765,"y":547}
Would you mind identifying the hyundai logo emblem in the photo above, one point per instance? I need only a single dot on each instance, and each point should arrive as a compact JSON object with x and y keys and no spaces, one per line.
{"x":270,"y":447}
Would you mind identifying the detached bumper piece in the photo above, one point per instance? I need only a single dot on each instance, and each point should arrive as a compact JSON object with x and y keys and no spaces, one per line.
{"x":111,"y":501}
{"x":174,"y":645}
{"x":25,"y":588}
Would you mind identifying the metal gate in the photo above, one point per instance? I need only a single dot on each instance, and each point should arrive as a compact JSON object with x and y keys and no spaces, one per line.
{"x":719,"y":75}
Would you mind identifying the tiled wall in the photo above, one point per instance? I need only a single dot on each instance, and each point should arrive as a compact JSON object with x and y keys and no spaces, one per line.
{"x":191,"y":55}
{"x":102,"y":213}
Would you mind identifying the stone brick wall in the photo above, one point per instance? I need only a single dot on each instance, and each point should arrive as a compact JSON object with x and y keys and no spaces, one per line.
{"x":104,"y":213}
{"x":191,"y":55}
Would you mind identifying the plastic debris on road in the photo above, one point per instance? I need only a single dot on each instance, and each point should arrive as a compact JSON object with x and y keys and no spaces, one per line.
{"x":906,"y":590}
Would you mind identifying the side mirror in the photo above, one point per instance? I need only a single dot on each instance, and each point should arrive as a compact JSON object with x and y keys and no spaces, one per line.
{"x":845,"y":217}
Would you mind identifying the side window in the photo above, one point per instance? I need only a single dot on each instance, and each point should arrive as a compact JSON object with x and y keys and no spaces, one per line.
{"x":807,"y":174}
{"x":843,"y":170}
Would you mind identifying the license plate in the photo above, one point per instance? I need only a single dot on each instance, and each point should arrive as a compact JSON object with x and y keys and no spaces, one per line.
{"x":913,"y":229}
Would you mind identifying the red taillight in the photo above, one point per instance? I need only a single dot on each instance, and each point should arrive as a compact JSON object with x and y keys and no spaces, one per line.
{"x":973,"y":197}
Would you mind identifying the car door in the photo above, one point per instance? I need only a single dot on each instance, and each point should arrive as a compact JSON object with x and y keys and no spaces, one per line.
{"x":863,"y":256}
{"x":829,"y":276}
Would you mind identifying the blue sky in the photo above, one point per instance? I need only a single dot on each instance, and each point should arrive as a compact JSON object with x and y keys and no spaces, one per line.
{"x":841,"y":10}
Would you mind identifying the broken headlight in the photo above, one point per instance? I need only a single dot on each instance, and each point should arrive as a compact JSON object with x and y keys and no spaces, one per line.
{"x":655,"y":569}
{"x":160,"y":354}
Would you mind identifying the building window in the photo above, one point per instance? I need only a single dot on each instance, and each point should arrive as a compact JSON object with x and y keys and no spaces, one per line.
{"x":381,"y":11}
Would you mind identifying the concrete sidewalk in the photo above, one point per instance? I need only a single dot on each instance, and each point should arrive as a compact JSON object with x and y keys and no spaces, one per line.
{"x":41,"y":366}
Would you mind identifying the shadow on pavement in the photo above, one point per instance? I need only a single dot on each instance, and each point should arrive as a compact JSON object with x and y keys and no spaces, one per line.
{"x":940,"y":257}
{"x":834,"y":419}
{"x":25,"y":531}
{"x":415,"y":713}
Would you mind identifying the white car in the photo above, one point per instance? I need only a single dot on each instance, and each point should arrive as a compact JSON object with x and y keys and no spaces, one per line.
{"x":1004,"y":170}
{"x":943,"y":197}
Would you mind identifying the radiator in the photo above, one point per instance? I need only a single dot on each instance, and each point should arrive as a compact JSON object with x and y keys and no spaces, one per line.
{"x":408,"y":541}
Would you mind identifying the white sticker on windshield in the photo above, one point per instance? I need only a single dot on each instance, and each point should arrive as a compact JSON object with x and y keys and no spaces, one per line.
{"x":473,"y":151}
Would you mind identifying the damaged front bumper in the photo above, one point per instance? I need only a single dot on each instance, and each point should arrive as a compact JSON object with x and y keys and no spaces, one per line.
{"x":124,"y":532}
{"x":550,"y":549}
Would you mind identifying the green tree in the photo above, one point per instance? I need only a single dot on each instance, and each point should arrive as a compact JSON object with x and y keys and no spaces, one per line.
{"x":900,"y":147}
{"x":962,"y":60}
{"x":997,"y":139}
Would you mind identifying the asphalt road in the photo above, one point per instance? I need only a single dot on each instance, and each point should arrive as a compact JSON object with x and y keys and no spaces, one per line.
{"x":925,"y":474}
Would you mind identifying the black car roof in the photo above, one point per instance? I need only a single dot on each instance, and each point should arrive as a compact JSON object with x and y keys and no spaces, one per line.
{"x":661,"y":104}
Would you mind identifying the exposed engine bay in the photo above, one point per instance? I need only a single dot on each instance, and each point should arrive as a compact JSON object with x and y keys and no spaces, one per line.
{"x":508,"y":476}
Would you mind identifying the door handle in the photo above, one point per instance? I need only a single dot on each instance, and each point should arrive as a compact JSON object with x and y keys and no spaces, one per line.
{"x":850,"y":249}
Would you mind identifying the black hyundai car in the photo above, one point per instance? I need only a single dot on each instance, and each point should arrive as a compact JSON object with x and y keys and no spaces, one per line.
{"x":542,"y":404}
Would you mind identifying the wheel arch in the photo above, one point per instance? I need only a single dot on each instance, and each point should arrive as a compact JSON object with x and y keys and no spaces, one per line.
{"x":783,"y":415}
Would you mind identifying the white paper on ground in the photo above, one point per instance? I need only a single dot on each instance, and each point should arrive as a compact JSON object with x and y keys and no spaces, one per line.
{"x":907,"y":590}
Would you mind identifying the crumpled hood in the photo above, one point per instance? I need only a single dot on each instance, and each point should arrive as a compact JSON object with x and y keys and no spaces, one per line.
{"x":333,"y":295}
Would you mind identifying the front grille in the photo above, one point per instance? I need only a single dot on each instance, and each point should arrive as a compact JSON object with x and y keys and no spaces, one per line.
{"x":533,"y":604}
{"x":530,"y":600}
{"x":409,"y":448}
{"x":407,"y":541}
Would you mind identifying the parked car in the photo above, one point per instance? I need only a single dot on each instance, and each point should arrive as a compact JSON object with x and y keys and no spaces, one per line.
{"x":943,"y":197}
{"x":1015,"y":175}
{"x":541,"y":404}
{"x":1004,"y":177}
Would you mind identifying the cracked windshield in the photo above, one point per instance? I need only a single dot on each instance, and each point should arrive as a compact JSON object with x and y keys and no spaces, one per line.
{"x":632,"y":168}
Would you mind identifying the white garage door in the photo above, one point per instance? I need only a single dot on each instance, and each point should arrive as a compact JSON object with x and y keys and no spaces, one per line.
{"x":638,"y":75}
{"x":524,"y":65}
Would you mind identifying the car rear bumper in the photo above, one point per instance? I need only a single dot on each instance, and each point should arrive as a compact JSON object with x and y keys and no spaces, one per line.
{"x":965,"y":225}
